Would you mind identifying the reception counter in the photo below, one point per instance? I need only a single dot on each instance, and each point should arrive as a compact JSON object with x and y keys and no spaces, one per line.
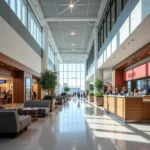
{"x":128,"y":108}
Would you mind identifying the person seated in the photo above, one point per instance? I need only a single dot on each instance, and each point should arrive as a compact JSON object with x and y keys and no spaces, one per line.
{"x":135,"y":92}
{"x":117,"y":91}
{"x":124,"y":91}
{"x":109,"y":91}
{"x":132,"y":93}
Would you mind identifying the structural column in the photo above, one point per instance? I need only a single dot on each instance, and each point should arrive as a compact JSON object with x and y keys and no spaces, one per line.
{"x":85,"y":62}
{"x":45,"y":64}
{"x":95,"y":54}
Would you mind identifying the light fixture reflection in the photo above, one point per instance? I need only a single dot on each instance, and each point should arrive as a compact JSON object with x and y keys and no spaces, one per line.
{"x":71,"y":5}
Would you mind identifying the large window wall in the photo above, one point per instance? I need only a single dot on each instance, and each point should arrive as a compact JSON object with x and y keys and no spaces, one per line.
{"x":72,"y":75}
{"x":111,"y":14}
{"x":26,"y":16}
{"x":90,"y":60}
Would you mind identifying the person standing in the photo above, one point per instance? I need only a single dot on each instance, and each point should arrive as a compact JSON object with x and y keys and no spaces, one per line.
{"x":34,"y":95}
{"x":78,"y":93}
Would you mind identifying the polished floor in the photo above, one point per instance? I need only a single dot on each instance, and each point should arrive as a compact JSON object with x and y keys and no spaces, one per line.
{"x":79,"y":126}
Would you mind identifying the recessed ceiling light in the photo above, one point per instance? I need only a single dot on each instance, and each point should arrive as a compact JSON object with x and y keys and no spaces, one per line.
{"x":129,"y":43}
{"x":148,"y":52}
{"x":73,"y":44}
{"x":71,"y":5}
{"x":12,"y":68}
{"x":73,"y":57}
{"x":72,"y":33}
{"x":132,"y":39}
{"x":2,"y":64}
{"x":123,"y":48}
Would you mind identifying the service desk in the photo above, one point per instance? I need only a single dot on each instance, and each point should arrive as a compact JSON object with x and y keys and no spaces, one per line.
{"x":128,"y":108}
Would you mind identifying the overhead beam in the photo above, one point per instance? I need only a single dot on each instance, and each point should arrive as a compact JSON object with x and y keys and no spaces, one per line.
{"x":68,"y":19}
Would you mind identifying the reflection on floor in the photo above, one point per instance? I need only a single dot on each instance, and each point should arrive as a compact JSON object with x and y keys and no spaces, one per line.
{"x":79,"y":126}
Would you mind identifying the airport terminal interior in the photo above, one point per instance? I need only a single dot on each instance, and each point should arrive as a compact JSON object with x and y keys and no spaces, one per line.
{"x":74,"y":75}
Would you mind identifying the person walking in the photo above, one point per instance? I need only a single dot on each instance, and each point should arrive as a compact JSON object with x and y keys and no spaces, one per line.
{"x":78,"y":94}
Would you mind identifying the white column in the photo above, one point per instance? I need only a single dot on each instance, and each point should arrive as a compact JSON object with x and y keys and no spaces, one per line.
{"x":85,"y":62}
{"x":45,"y":54}
{"x":95,"y":54}
{"x":45,"y":64}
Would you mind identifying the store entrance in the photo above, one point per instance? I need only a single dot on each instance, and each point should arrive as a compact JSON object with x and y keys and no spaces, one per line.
{"x":35,"y":94}
{"x":6,"y":90}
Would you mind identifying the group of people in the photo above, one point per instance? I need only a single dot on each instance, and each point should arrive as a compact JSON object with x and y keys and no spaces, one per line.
{"x":79,"y":94}
{"x":124,"y":92}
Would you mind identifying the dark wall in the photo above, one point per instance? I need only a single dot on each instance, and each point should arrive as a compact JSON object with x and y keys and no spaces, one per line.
{"x":10,"y":17}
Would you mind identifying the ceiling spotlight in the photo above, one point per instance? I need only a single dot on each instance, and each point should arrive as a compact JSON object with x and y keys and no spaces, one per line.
{"x":12,"y":68}
{"x":148,"y":52}
{"x":2,"y":64}
{"x":73,"y":44}
{"x":132,"y":39}
{"x":72,"y":33}
{"x":71,"y":5}
{"x":73,"y":57}
{"x":128,"y":43}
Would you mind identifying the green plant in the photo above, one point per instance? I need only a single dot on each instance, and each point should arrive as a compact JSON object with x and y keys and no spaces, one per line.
{"x":87,"y":91}
{"x":91,"y":87}
{"x":99,"y":94}
{"x":99,"y":85}
{"x":91,"y":94}
{"x":48,"y":97}
{"x":48,"y":81}
{"x":66,"y":89}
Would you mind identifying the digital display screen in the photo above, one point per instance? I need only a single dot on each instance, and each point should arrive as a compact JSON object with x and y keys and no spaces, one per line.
{"x":2,"y":81}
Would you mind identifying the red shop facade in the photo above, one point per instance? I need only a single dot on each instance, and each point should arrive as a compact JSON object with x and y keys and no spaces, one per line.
{"x":138,"y":78}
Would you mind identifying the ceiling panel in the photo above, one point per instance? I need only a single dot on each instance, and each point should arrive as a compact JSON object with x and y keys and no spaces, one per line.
{"x":62,"y":30}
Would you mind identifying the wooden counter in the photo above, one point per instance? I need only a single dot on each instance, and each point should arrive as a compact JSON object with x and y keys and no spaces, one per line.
{"x":128,"y":108}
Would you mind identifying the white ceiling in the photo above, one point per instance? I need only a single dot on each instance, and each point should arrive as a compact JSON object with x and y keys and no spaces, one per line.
{"x":63,"y":21}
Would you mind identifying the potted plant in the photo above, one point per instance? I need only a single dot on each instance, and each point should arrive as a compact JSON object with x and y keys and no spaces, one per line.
{"x":91,"y":94}
{"x":66,"y":89}
{"x":98,"y":98}
{"x":48,"y":82}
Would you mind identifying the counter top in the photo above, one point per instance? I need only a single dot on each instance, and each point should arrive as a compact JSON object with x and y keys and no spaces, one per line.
{"x":126,"y":96}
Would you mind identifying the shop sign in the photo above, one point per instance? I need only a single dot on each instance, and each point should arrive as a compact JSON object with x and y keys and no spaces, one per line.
{"x":149,"y":69}
{"x":135,"y":73}
{"x":2,"y":81}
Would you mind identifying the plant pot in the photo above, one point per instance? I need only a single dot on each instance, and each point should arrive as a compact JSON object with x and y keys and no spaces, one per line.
{"x":99,"y":101}
{"x":52,"y":105}
{"x":91,"y":98}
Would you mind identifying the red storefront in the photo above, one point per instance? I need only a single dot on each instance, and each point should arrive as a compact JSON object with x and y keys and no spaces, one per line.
{"x":138,"y":77}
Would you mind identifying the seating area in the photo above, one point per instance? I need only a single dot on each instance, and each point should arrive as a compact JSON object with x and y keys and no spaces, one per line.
{"x":21,"y":118}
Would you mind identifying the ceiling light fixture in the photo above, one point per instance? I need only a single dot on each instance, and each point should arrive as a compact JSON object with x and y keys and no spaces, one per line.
{"x":72,"y":33}
{"x":73,"y":44}
{"x":12,"y":68}
{"x":71,"y":5}
{"x":2,"y":64}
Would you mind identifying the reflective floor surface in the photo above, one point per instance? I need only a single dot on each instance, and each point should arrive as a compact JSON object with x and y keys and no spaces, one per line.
{"x":78,"y":126}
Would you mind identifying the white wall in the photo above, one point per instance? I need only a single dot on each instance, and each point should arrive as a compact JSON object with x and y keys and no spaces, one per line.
{"x":131,"y":17}
{"x":12,"y":45}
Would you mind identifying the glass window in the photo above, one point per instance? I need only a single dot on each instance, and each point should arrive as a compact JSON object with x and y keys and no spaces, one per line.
{"x":32,"y":27}
{"x":82,"y":82}
{"x":19,"y":9}
{"x":69,"y":67}
{"x":69,"y":82}
{"x":82,"y":75}
{"x":65,"y":75}
{"x":82,"y":67}
{"x":124,"y":2}
{"x":65,"y":67}
{"x":13,"y":5}
{"x":6,"y":1}
{"x":61,"y":67}
{"x":69,"y":74}
{"x":61,"y":75}
{"x":24,"y":14}
{"x":108,"y":21}
{"x":66,"y":82}
{"x":78,"y":67}
{"x":78,"y":75}
{"x":74,"y":82}
{"x":105,"y":31}
{"x":102,"y":35}
{"x":113,"y":17}
{"x":61,"y":82}
{"x":73,"y":67}
{"x":73,"y":74}
{"x":78,"y":82}
{"x":119,"y":7}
